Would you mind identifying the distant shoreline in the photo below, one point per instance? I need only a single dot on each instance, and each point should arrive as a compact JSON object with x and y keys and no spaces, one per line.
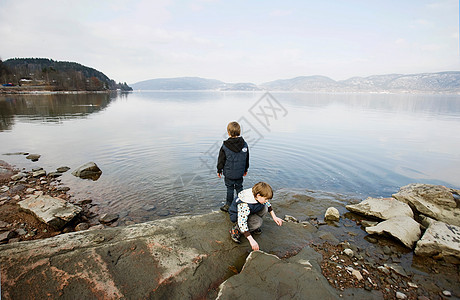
{"x":45,"y":90}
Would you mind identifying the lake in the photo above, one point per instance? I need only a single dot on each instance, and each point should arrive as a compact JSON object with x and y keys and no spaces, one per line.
{"x":158,"y":150}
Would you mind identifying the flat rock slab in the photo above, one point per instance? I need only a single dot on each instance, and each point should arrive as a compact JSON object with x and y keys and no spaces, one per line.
{"x":382,"y":208}
{"x":440,"y":238}
{"x":435,"y":201}
{"x":265,"y":276}
{"x":175,"y":258}
{"x":53,"y":211}
{"x":403,"y":228}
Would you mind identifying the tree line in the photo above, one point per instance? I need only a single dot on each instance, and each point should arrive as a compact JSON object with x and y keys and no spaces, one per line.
{"x":57,"y":75}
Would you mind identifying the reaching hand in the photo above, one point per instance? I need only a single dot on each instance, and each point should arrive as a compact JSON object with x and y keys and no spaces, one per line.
{"x":278,"y":221}
{"x":254,"y":244}
{"x":219,"y":174}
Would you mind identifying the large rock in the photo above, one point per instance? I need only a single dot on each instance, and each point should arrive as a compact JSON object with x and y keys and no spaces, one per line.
{"x":435,"y":201}
{"x":403,"y":228}
{"x":175,"y":258}
{"x":50,"y":210}
{"x":265,"y":276}
{"x":88,"y":171}
{"x":440,"y":239}
{"x":383,"y":208}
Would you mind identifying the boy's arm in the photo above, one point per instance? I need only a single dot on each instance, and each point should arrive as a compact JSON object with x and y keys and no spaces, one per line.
{"x":221,"y":161}
{"x":277,"y":220}
{"x":247,"y":163}
{"x":243,"y":214}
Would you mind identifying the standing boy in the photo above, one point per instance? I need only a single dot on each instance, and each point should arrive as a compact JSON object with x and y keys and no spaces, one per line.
{"x":247,"y":211}
{"x":233,"y":162}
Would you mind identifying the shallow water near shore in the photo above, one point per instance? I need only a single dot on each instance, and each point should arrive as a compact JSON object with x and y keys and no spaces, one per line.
{"x":158,"y":150}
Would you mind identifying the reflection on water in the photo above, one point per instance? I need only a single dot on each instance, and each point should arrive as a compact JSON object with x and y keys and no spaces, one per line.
{"x":49,"y":108}
{"x":158,"y":150}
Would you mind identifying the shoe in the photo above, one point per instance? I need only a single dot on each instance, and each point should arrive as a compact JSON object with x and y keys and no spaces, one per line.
{"x":235,"y":234}
{"x":225,"y":208}
{"x":257,"y":231}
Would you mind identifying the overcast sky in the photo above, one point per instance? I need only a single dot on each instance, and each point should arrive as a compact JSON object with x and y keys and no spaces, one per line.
{"x":236,"y":40}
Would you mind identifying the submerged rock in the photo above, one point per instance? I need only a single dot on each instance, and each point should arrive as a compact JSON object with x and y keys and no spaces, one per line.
{"x":403,"y":228}
{"x":33,"y":157}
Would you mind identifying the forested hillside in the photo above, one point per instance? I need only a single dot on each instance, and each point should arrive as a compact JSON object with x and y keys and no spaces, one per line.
{"x":57,"y":75}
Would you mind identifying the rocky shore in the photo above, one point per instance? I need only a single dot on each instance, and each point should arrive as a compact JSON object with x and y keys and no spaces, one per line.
{"x":312,"y":256}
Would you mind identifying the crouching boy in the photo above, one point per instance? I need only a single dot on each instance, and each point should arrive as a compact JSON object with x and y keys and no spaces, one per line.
{"x":247,"y":211}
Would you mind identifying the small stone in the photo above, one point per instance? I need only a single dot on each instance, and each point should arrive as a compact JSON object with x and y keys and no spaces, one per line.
{"x":33,"y":157}
{"x":39,"y":173}
{"x":21,"y":232}
{"x":447,"y":293}
{"x":108,"y":218}
{"x":4,"y":189}
{"x":84,"y":202}
{"x":289,"y":218}
{"x":412,"y":285}
{"x":4,"y":225}
{"x":63,"y":189}
{"x":400,"y":295}
{"x":387,"y":250}
{"x":348,"y":252}
{"x":16,"y":198}
{"x":422,"y":298}
{"x":18,"y":176}
{"x":82,"y":226}
{"x":357,"y":274}
{"x":332,"y":214}
{"x":383,"y":270}
{"x":62,"y":169}
{"x":55,"y":174}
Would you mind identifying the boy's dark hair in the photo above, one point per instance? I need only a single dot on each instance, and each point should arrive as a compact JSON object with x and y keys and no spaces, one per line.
{"x":233,"y":129}
{"x":263,"y":189}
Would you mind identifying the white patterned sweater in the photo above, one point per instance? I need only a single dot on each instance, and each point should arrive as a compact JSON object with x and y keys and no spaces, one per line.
{"x":246,"y":197}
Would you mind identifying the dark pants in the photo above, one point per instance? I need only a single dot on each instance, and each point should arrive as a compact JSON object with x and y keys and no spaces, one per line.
{"x":233,"y":184}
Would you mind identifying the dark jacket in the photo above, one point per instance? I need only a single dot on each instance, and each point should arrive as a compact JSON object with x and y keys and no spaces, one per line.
{"x":233,"y":160}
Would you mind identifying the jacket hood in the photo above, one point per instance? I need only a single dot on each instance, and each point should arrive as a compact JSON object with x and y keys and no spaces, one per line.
{"x":247,"y":196}
{"x":235,"y":144}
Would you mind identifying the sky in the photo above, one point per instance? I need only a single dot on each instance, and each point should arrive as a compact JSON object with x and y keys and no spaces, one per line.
{"x":236,"y":41}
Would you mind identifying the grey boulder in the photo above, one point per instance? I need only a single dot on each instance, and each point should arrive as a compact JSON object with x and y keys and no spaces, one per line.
{"x":88,"y":171}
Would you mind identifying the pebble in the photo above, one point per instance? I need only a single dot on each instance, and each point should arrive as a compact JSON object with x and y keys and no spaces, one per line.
{"x":4,"y":189}
{"x":446,"y":293}
{"x":348,"y":252}
{"x":82,"y":226}
{"x":400,"y":295}
{"x":289,"y":218}
{"x":357,"y":274}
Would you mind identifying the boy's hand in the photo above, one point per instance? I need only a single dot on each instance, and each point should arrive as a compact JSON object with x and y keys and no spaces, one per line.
{"x":278,"y":221}
{"x":219,"y":174}
{"x":245,"y":173}
{"x":253,"y":243}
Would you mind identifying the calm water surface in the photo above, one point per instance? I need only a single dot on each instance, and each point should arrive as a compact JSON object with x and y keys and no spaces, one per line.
{"x":158,"y":150}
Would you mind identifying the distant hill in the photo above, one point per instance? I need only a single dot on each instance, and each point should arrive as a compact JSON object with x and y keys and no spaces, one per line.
{"x":179,"y":83}
{"x":442,"y":82}
{"x":57,"y":75}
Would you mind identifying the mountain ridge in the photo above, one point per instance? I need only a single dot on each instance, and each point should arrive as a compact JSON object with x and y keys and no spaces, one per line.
{"x":439,"y":82}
